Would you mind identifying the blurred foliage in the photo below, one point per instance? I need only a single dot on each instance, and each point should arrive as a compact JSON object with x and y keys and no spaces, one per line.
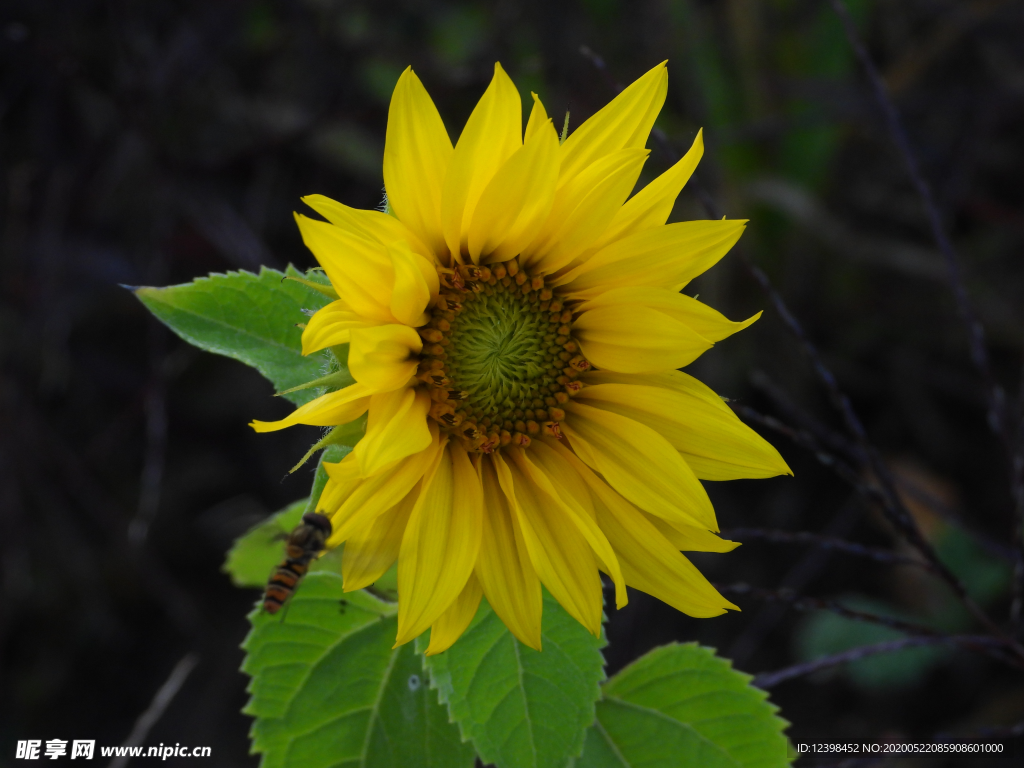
{"x":822,"y":634}
{"x":926,"y":602}
{"x":149,"y":143}
{"x":986,"y":578}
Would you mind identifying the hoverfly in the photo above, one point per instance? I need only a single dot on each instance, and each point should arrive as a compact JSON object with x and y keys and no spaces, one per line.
{"x":303,"y":544}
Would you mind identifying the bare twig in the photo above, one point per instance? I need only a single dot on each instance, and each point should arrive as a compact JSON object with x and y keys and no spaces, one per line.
{"x":804,"y":603}
{"x":796,"y":579}
{"x":993,"y":646}
{"x":769,"y":679}
{"x":870,"y":492}
{"x":832,"y":439}
{"x":601,"y":67}
{"x":913,"y":489}
{"x":999,"y":418}
{"x":161,"y":700}
{"x":892,"y":505}
{"x":960,"y":20}
{"x":841,"y":239}
{"x":979,"y":354}
{"x":803,"y":438}
{"x":825,"y":542}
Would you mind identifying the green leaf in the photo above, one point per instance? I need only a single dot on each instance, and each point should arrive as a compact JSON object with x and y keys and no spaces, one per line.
{"x":681,"y":706}
{"x":256,"y":552}
{"x":328,"y":690}
{"x":247,"y":317}
{"x":522,"y":708}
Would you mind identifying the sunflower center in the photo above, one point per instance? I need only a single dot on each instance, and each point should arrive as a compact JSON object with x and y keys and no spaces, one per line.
{"x":499,"y":351}
{"x":498,"y":357}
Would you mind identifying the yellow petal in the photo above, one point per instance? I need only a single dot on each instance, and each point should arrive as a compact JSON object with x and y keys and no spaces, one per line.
{"x":330,"y":326}
{"x":517,"y":200}
{"x":639,"y":463}
{"x":653,"y":565}
{"x":583,"y":209}
{"x":370,"y":225}
{"x":328,"y":410}
{"x":441,"y":543}
{"x":707,"y":322}
{"x":561,"y":557}
{"x":634,"y":339}
{"x":417,"y":151}
{"x":360,"y":262}
{"x":492,"y":133}
{"x":688,"y":538}
{"x":411,"y":293}
{"x":538,"y":119}
{"x":624,"y":123}
{"x":651,"y":206}
{"x":383,"y":357}
{"x":359,"y":269}
{"x":650,"y":561}
{"x":373,"y":548}
{"x":342,"y":479}
{"x":691,"y":539}
{"x":668,"y":256}
{"x":709,"y":435}
{"x":424,"y":544}
{"x":395,"y":428}
{"x":352,"y":501}
{"x":503,"y":567}
{"x":453,"y":622}
{"x":556,"y":478}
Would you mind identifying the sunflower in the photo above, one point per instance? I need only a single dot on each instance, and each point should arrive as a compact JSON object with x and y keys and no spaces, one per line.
{"x":514,"y":326}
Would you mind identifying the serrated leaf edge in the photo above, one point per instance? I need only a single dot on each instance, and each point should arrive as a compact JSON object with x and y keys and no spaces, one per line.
{"x":710,"y":654}
{"x":152,"y":291}
{"x":462,"y":705}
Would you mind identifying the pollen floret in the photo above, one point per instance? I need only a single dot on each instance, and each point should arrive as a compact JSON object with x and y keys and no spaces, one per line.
{"x":497,"y":357}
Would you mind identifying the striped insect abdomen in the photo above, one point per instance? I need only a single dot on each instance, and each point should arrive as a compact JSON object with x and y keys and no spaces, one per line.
{"x":282,"y":584}
{"x":304,"y":543}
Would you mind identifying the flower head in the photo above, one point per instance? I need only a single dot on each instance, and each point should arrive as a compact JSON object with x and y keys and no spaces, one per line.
{"x":514,"y":331}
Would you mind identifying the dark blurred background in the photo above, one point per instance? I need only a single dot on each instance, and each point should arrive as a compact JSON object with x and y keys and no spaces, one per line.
{"x":149,"y":143}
